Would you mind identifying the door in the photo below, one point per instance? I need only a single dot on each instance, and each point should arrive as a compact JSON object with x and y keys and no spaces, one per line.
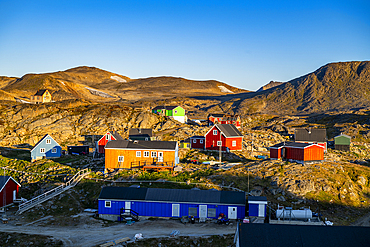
{"x":261,"y":210}
{"x":14,"y":195}
{"x":202,"y":211}
{"x":160,"y":156}
{"x":232,"y":213}
{"x":127,"y":207}
{"x":175,"y":210}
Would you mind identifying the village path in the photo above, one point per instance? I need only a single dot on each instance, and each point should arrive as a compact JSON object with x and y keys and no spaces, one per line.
{"x":92,"y":235}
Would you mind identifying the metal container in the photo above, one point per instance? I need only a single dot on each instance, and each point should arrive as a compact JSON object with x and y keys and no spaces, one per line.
{"x":289,"y":213}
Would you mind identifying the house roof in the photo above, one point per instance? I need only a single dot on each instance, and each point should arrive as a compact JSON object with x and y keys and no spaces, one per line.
{"x":41,"y":141}
{"x":4,"y":180}
{"x":293,"y":144}
{"x":257,"y":198}
{"x":185,"y":141}
{"x":140,"y":131}
{"x":197,"y":137}
{"x":165,"y":107}
{"x":116,"y":135}
{"x":173,"y":195}
{"x":229,"y":130}
{"x":343,"y":136}
{"x":139,"y":144}
{"x":40,"y":92}
{"x":310,"y":134}
{"x":270,"y":235}
{"x":216,"y":115}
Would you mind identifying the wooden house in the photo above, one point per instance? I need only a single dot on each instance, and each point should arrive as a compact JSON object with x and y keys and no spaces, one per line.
{"x":225,"y":135}
{"x":311,"y":135}
{"x":46,"y":148}
{"x":41,"y":96}
{"x":141,"y":134}
{"x":297,"y":152}
{"x":126,"y":154}
{"x":224,"y":119}
{"x":9,"y":189}
{"x":176,"y":203}
{"x":197,"y":142}
{"x":342,"y":142}
{"x":109,"y":136}
{"x":175,"y":112}
{"x":185,"y":143}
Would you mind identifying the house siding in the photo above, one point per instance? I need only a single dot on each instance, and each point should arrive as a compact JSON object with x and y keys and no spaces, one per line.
{"x":211,"y":141}
{"x":36,"y":151}
{"x":197,"y":143}
{"x":164,"y":209}
{"x":342,"y":140}
{"x":8,"y":189}
{"x":103,"y":141}
{"x":275,"y":153}
{"x":111,"y":157}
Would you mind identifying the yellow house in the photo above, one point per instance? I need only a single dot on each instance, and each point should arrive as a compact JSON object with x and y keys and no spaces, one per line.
{"x":42,"y":96}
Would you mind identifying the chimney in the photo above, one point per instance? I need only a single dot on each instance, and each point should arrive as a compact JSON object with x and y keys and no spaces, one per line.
{"x":309,"y":130}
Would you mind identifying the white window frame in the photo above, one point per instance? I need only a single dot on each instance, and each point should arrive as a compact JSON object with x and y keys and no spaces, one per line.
{"x":108,"y":204}
{"x":201,"y":141}
{"x":146,"y":154}
{"x":194,"y":140}
{"x":233,"y":143}
{"x":54,"y":150}
{"x":155,"y":154}
{"x":121,"y":158}
{"x":107,"y":137}
{"x":42,"y":150}
{"x":138,"y":153}
{"x":48,"y":141}
{"x":219,"y":143}
{"x":214,"y":132}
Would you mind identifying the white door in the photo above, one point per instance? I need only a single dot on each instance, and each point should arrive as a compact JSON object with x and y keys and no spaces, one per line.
{"x":202,"y":211}
{"x":232,"y":214}
{"x":261,"y":210}
{"x":14,"y":195}
{"x":160,"y":156}
{"x":175,"y":210}
{"x":127,"y":207}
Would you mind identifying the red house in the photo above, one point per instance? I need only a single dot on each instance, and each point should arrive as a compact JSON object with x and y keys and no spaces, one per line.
{"x":197,"y":142}
{"x":225,"y":135}
{"x":9,"y":189}
{"x":298,"y":152}
{"x":109,"y":136}
{"x":224,"y":119}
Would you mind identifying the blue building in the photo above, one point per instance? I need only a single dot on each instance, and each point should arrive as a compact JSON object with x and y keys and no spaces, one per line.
{"x":47,"y":148}
{"x":175,"y":203}
{"x":257,"y":206}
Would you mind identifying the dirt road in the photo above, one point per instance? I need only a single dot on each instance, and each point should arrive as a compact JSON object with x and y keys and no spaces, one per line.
{"x":92,"y":235}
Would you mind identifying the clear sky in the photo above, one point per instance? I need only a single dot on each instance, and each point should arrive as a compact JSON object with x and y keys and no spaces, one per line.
{"x":242,"y":43}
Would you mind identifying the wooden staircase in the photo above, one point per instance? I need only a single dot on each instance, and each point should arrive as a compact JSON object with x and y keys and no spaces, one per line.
{"x":126,"y":213}
{"x":54,"y":192}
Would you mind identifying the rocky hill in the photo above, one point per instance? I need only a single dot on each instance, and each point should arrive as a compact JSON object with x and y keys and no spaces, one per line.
{"x":93,"y":84}
{"x":271,"y":84}
{"x":333,"y":87}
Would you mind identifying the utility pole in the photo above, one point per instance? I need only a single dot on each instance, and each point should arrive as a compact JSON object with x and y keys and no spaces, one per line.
{"x":220,"y":159}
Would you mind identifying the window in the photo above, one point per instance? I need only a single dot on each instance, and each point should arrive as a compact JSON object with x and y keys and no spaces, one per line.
{"x":138,"y":153}
{"x":234,"y":143}
{"x":154,"y":154}
{"x":146,"y":139}
{"x":219,"y":143}
{"x":107,"y":137}
{"x":211,"y":213}
{"x":193,"y":212}
{"x":54,"y":150}
{"x":194,"y":140}
{"x":120,"y":158}
{"x":42,"y":150}
{"x":107,"y":204}
{"x":175,"y":111}
{"x":201,"y":141}
{"x":48,"y":141}
{"x":146,"y":153}
{"x":214,"y":132}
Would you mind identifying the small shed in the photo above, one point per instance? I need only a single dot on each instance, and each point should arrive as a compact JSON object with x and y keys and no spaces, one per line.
{"x":197,"y":142}
{"x":78,"y":150}
{"x":47,"y":148}
{"x":9,"y":189}
{"x":297,"y":152}
{"x":185,"y":143}
{"x":155,"y":202}
{"x":342,"y":142}
{"x":257,"y":206}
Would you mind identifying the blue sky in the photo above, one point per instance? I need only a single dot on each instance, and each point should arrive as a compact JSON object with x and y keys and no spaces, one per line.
{"x":242,"y":43}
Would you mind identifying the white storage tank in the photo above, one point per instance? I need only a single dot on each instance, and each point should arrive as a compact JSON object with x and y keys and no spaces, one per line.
{"x":289,"y":213}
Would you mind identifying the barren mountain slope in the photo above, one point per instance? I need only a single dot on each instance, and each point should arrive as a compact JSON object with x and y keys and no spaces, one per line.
{"x":335,"y":86}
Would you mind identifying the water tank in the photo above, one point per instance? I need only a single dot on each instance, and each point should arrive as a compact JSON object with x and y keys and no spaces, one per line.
{"x":289,"y":213}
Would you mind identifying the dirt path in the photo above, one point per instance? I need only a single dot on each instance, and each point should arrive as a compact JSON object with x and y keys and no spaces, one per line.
{"x":92,"y":235}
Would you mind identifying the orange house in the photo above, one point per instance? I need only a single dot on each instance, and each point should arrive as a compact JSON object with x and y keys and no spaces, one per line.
{"x":126,"y":154}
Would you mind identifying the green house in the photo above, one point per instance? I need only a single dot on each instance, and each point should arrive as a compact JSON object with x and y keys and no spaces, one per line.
{"x":174,"y":112}
{"x":342,"y":142}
